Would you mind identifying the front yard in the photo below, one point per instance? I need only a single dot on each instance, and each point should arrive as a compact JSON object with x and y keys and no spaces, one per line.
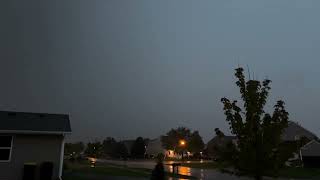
{"x":103,"y":171}
{"x":303,"y":173}
{"x":83,"y":171}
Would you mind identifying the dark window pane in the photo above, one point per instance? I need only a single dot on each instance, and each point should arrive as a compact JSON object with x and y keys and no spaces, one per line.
{"x":5,"y":141}
{"x":4,"y":154}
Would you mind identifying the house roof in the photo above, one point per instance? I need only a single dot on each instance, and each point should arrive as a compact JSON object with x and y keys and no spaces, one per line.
{"x":221,"y":140}
{"x":34,"y":123}
{"x":294,"y":131}
{"x":225,"y":138}
{"x":230,"y":138}
{"x":311,"y":149}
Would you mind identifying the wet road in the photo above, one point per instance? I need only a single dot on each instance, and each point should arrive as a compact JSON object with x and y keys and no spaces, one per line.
{"x":201,"y":174}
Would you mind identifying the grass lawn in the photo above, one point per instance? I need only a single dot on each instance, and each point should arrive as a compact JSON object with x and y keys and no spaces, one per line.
{"x":300,"y":173}
{"x":79,"y":171}
{"x":105,"y":169}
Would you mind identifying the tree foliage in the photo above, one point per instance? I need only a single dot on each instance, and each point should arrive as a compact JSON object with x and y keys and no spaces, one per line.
{"x":218,"y":132}
{"x":193,"y":141}
{"x":138,"y":149}
{"x":258,"y":133}
{"x":110,"y":147}
{"x":196,"y":144}
{"x":94,"y":149}
{"x":173,"y":137}
{"x":122,"y":151}
{"x":114,"y":149}
{"x":74,"y":148}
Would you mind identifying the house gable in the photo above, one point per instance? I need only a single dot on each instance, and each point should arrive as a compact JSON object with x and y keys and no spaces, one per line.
{"x":294,"y":132}
{"x":311,"y":149}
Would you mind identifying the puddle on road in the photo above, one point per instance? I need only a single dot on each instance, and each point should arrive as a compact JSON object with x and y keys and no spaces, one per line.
{"x":185,"y":171}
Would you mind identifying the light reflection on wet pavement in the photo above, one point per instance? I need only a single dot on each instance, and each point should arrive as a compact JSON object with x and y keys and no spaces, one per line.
{"x":201,"y":174}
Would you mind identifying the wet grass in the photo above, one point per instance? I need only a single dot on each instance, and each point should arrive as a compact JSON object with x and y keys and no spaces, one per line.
{"x":303,"y":173}
{"x":110,"y":170}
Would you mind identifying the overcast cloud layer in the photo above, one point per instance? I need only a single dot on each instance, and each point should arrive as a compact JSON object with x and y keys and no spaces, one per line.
{"x":138,"y":68}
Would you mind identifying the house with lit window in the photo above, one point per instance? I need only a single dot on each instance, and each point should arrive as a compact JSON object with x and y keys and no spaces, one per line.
{"x":32,"y":145}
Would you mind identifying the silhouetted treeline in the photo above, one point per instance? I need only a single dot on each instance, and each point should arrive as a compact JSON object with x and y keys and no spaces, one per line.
{"x":110,"y":148}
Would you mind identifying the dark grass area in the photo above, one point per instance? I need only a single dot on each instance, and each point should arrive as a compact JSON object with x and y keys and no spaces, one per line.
{"x":300,"y":173}
{"x":104,"y":169}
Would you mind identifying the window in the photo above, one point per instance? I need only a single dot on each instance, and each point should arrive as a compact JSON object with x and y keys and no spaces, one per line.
{"x":5,"y":148}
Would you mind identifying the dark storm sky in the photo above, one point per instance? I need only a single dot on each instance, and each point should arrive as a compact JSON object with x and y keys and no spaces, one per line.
{"x":138,"y":68}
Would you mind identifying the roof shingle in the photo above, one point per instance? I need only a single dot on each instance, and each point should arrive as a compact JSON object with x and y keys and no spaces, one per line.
{"x":37,"y":122}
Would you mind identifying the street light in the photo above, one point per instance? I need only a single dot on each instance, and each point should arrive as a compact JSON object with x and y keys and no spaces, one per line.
{"x":182,"y":142}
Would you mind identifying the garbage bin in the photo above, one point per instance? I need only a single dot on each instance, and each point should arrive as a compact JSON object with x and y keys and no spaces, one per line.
{"x":46,"y":171}
{"x":29,"y":171}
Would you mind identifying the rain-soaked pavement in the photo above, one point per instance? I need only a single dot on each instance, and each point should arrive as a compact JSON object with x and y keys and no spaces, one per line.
{"x":201,"y":174}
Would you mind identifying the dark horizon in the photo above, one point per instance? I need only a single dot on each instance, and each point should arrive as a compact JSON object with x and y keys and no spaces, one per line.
{"x":141,"y":68}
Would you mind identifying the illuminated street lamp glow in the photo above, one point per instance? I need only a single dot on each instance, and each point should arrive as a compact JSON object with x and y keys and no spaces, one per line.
{"x":182,"y":142}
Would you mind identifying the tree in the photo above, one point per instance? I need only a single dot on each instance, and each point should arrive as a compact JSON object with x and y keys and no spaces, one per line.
{"x":196,"y":144}
{"x":122,"y":151}
{"x":138,"y":148}
{"x":73,"y":148}
{"x":219,"y":133}
{"x":94,"y":149}
{"x":172,"y":140}
{"x":258,"y":133}
{"x":182,"y":140}
{"x":110,"y":147}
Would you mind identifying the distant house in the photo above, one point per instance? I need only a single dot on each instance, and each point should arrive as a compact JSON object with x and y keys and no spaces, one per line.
{"x":219,"y":142}
{"x":310,"y":154}
{"x":295,"y":132}
{"x":31,"y":138}
{"x":154,"y":147}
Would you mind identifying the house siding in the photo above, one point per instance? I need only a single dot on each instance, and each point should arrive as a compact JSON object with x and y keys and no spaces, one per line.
{"x":31,"y":148}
